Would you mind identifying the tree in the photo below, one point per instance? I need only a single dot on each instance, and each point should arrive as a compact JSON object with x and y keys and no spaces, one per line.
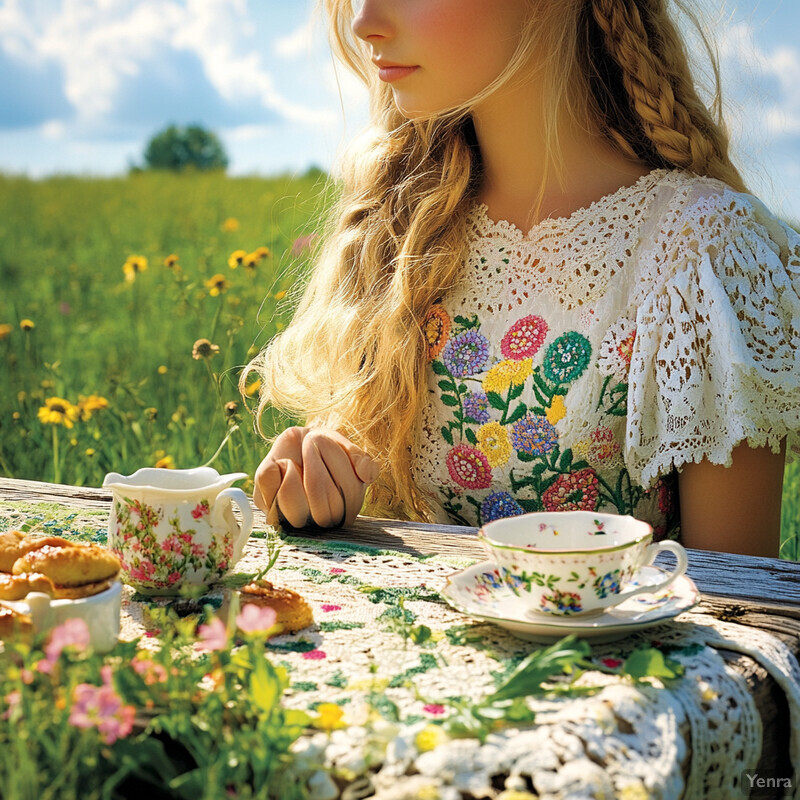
{"x":176,"y":148}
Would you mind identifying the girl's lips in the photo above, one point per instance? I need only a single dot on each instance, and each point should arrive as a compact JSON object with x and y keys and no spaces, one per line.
{"x":389,"y":74}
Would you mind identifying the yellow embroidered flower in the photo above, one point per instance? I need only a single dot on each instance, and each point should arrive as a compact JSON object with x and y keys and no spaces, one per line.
{"x":57,"y":411}
{"x":502,"y":375}
{"x":494,"y":443}
{"x":26,"y":324}
{"x":436,"y":329}
{"x":330,"y":717}
{"x":237,"y":258}
{"x":216,"y":284}
{"x":231,"y":225}
{"x":429,"y":738}
{"x":5,"y":330}
{"x":557,"y":409}
{"x":133,"y":266}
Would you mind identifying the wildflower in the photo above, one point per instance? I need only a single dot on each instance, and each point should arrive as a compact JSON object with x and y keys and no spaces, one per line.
{"x":133,"y":266}
{"x":231,"y":225}
{"x":152,"y":672}
{"x":26,"y":324}
{"x":165,"y":462}
{"x":303,"y":243}
{"x":237,"y":258}
{"x":524,"y":338}
{"x":501,"y":376}
{"x":429,"y":738}
{"x":101,"y":707}
{"x":151,"y":414}
{"x":330,"y":717}
{"x":262,"y":252}
{"x":213,"y":636}
{"x":5,"y":330}
{"x":13,"y":700}
{"x":89,"y":452}
{"x":256,"y":619}
{"x":216,"y":284}
{"x":72,"y":633}
{"x":88,"y":405}
{"x":253,"y":388}
{"x":280,"y":295}
{"x":557,"y":409}
{"x":162,"y":370}
{"x":57,"y":411}
{"x":203,"y":348}
{"x":231,"y":409}
{"x":170,"y":261}
{"x":493,"y":442}
{"x":465,"y":353}
{"x":251,"y":261}
{"x":436,"y":329}
{"x":469,"y":467}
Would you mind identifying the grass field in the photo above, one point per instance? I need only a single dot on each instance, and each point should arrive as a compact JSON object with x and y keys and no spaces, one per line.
{"x":81,"y":321}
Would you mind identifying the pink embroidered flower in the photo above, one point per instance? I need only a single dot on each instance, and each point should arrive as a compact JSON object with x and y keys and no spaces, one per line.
{"x":336,"y":570}
{"x":213,"y":636}
{"x":604,"y":447}
{"x":256,"y":619}
{"x":329,"y":607}
{"x":434,"y":708}
{"x":524,"y":338}
{"x":315,"y":655}
{"x":469,"y":467}
{"x":577,"y":491}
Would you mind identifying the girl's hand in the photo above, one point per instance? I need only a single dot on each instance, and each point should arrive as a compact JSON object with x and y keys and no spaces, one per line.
{"x":313,"y":476}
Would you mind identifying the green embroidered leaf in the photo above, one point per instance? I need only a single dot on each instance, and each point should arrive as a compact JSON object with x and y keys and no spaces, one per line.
{"x":539,"y":469}
{"x":471,"y":437}
{"x":523,"y":456}
{"x":580,"y":465}
{"x":447,"y":435}
{"x":516,"y":390}
{"x":650,"y":662}
{"x":496,"y":401}
{"x":439,"y":368}
{"x":519,"y":412}
{"x":566,"y":460}
{"x":449,"y":400}
{"x":446,"y":386}
{"x":462,"y":388}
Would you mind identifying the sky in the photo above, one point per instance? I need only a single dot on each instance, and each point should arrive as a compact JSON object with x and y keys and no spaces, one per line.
{"x":85,"y":83}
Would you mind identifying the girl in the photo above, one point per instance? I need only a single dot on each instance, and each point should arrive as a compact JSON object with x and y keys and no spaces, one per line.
{"x":546,"y":287}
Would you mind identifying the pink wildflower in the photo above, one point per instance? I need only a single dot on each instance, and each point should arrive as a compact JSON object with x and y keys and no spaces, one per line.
{"x":13,"y":699}
{"x":303,"y":243}
{"x":101,"y":707}
{"x":72,"y":633}
{"x":152,"y":672}
{"x":611,"y":663}
{"x":213,"y":636}
{"x":256,"y":619}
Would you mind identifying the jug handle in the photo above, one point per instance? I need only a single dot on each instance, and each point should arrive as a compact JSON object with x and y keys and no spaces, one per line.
{"x":239,"y":498}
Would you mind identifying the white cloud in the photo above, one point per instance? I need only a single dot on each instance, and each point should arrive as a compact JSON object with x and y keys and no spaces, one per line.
{"x":300,"y":42}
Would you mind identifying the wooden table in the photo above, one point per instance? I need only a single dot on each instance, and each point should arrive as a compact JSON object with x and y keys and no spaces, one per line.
{"x":759,"y":592}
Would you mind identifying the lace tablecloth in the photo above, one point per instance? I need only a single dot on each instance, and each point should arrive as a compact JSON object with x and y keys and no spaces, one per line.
{"x":625,"y":740}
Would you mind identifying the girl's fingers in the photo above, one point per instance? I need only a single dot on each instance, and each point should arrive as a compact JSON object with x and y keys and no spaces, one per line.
{"x":267,"y":481}
{"x":291,"y":496}
{"x":366,"y":468}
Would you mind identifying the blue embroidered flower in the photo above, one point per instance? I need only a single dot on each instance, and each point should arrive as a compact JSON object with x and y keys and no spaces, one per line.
{"x":498,"y":505}
{"x":534,"y":435}
{"x":476,"y":407}
{"x":567,"y":357}
{"x":466,"y":353}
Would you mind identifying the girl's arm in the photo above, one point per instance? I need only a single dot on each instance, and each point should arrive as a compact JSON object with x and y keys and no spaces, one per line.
{"x":734,"y":509}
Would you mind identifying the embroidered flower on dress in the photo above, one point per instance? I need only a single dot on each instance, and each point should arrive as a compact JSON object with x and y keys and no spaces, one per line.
{"x":567,"y":357}
{"x":574,"y":492}
{"x":616,"y":349}
{"x":465,"y":353}
{"x":469,"y":467}
{"x":524,"y":338}
{"x":534,"y":435}
{"x":476,"y":407}
{"x":493,"y":442}
{"x":601,"y":448}
{"x":498,"y":505}
{"x":436,"y":329}
{"x":557,"y":410}
{"x":500,"y":377}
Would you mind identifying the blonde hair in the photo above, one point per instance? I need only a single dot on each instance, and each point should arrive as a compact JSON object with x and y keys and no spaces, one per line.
{"x":354,"y":355}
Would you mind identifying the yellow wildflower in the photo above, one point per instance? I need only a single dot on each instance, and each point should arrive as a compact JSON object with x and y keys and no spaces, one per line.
{"x":262,"y":252}
{"x":280,"y":295}
{"x":330,"y":717}
{"x":162,"y":370}
{"x":151,"y":414}
{"x":502,"y":375}
{"x":251,"y":261}
{"x":429,"y":738}
{"x":203,"y":348}
{"x":253,"y":388}
{"x":16,"y":416}
{"x":165,"y":462}
{"x":279,"y":326}
{"x":133,"y":266}
{"x":170,"y":261}
{"x":557,"y":409}
{"x":216,"y":284}
{"x":5,"y":330}
{"x":26,"y":324}
{"x":57,"y":411}
{"x":231,"y":225}
{"x":493,"y":442}
{"x":88,"y":405}
{"x":237,"y":258}
{"x":89,"y":452}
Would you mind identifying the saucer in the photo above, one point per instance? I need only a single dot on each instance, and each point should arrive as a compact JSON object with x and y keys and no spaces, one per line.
{"x":480,"y":592}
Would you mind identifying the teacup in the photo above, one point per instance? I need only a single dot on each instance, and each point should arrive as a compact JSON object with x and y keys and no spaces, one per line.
{"x":575,"y":562}
{"x":175,"y":527}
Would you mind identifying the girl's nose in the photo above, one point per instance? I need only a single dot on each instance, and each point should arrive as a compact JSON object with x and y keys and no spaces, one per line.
{"x":372,"y":20}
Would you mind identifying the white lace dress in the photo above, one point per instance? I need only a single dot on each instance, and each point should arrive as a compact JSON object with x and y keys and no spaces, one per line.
{"x":580,"y":365}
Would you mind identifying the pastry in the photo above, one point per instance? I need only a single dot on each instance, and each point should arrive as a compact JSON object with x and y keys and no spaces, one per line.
{"x":17,"y":587}
{"x":13,"y":623}
{"x":76,"y":570}
{"x":293,"y":611}
{"x":10,"y":549}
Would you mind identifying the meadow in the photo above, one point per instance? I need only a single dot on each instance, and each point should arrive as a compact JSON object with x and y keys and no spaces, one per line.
{"x":129,"y":307}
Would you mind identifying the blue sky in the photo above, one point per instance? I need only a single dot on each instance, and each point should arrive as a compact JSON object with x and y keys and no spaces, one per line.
{"x":85,"y":83}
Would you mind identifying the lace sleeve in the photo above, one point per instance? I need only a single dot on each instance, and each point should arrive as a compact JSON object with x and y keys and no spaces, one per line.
{"x":717,"y":356}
